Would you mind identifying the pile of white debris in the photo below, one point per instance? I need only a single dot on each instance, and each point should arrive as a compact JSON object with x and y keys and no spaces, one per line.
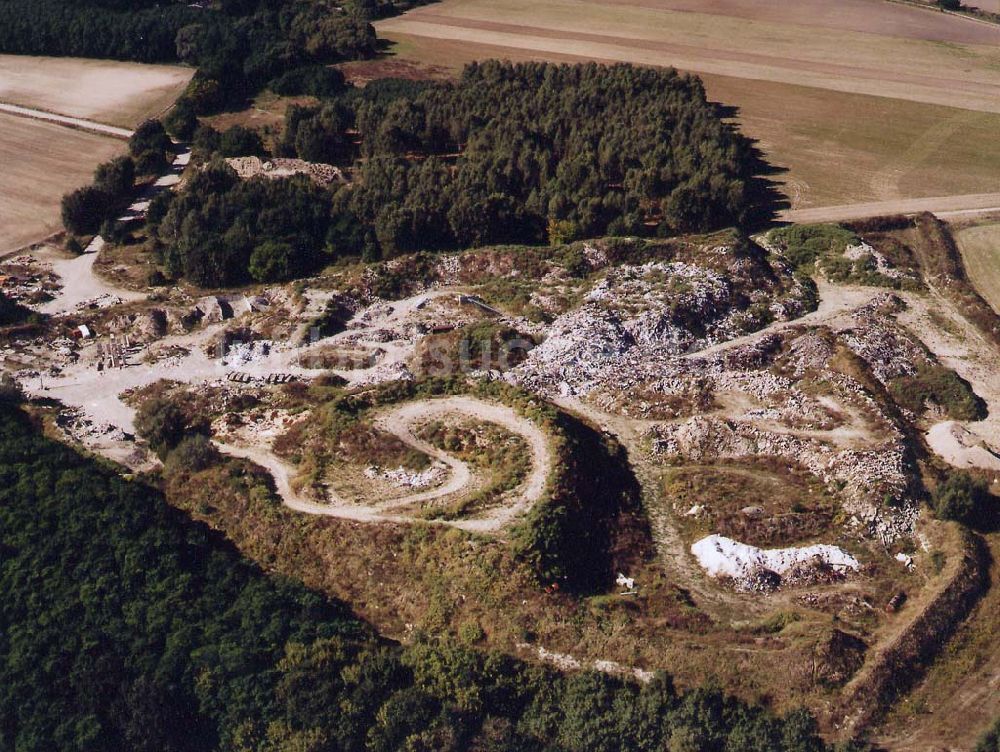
{"x":403,"y":478}
{"x":753,"y":568}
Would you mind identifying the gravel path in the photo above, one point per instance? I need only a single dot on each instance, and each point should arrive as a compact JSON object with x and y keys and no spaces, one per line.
{"x":943,"y":206}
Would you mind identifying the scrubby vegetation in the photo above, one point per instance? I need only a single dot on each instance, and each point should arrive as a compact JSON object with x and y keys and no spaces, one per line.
{"x":484,"y":345}
{"x":991,"y":740}
{"x":825,"y":249}
{"x":936,"y":385}
{"x":963,"y":498}
{"x":127,"y":626}
{"x":12,"y":312}
{"x":502,"y":457}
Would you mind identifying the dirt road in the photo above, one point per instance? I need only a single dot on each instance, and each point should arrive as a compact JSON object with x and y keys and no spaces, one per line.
{"x":398,"y":422}
{"x":69,"y":122}
{"x":943,"y":206}
{"x":80,"y":283}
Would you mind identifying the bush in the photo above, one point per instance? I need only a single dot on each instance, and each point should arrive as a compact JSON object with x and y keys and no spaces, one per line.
{"x":114,"y":232}
{"x":162,"y":424}
{"x":962,"y":498}
{"x":272,"y":262}
{"x":940,"y":386}
{"x":150,"y":136}
{"x":241,"y":142}
{"x":10,"y":392}
{"x":805,"y":244}
{"x":84,"y":209}
{"x":181,"y":122}
{"x":116,"y":178}
{"x":991,"y":740}
{"x":192,"y":455}
{"x":151,"y":162}
{"x":313,"y":80}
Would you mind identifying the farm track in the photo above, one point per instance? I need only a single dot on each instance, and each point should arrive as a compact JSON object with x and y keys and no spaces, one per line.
{"x":943,"y":206}
{"x":70,"y":122}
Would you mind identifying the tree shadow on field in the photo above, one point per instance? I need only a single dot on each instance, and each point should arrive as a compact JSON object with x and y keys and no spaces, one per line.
{"x":766,"y":193}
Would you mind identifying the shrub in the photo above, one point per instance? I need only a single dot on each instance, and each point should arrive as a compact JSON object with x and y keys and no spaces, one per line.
{"x":116,"y":178}
{"x":241,"y":142}
{"x":272,"y":262}
{"x":181,"y":122}
{"x":805,"y":244}
{"x":991,"y":739}
{"x":162,"y":424}
{"x":150,"y":136}
{"x":962,"y":498}
{"x":193,"y":454}
{"x":84,"y":209}
{"x":941,"y":386}
{"x":313,"y":80}
{"x":10,"y":392}
{"x":151,"y":162}
{"x":114,"y":232}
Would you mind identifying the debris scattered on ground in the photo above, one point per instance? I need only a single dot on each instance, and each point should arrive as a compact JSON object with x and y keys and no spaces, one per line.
{"x":403,"y":478}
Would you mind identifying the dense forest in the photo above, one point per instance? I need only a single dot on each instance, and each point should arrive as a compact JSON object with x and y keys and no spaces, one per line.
{"x":508,"y":154}
{"x":127,"y":626}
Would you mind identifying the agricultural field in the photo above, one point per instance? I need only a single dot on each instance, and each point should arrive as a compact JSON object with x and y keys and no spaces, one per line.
{"x":122,"y":94}
{"x":42,"y":161}
{"x":980,"y":246}
{"x":888,"y":123}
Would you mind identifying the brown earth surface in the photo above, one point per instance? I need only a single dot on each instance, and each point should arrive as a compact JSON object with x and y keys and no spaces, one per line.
{"x":107,"y":91}
{"x":939,"y":70}
{"x":42,"y":161}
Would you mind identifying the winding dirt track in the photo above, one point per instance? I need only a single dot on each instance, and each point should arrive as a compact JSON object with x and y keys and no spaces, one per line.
{"x":399,"y":422}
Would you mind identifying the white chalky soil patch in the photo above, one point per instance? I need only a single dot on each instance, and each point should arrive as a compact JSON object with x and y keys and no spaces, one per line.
{"x":725,"y":557}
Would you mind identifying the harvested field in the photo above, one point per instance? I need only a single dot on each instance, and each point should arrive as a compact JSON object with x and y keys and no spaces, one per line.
{"x":980,"y":248}
{"x":107,"y":91}
{"x":840,"y":144}
{"x":955,"y":68}
{"x":42,"y":161}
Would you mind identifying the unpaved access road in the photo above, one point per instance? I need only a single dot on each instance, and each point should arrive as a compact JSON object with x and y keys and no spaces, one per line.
{"x":70,"y":122}
{"x":399,"y":421}
{"x":80,"y":283}
{"x":943,"y":206}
